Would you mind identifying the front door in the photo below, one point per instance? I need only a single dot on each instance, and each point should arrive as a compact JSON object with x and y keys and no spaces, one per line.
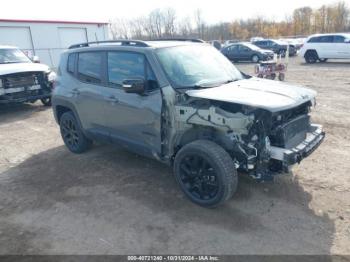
{"x":133,"y":120}
{"x":341,"y":47}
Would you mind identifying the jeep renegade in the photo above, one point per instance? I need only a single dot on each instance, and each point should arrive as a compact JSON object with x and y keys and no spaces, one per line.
{"x":186,"y":105}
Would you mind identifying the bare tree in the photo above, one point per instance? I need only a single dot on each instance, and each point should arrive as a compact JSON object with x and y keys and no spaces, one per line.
{"x":164,"y":23}
{"x":169,"y":17}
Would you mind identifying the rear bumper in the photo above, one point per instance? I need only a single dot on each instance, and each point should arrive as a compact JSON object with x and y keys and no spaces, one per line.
{"x":294,"y":155}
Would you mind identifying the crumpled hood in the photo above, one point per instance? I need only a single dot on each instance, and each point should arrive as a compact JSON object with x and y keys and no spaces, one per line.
{"x":266,"y":94}
{"x":6,"y":69}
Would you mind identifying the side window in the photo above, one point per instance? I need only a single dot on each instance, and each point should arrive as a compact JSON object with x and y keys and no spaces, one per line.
{"x":244,"y":48}
{"x":233,"y":48}
{"x":326,"y":39}
{"x":90,"y":67}
{"x":125,"y":65}
{"x":338,"y":39}
{"x":71,"y":63}
{"x":313,"y":40}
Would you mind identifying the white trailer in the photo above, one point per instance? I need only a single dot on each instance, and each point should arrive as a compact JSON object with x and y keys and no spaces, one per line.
{"x":47,"y":39}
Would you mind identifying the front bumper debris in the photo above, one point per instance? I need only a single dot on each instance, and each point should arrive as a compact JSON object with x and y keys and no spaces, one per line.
{"x":295,"y":155}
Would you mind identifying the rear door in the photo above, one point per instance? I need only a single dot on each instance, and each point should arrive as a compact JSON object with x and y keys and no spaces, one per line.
{"x":88,"y":93}
{"x":133,"y":120}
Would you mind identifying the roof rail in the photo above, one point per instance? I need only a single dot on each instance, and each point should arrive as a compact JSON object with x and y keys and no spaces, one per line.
{"x":122,"y":42}
{"x":180,"y":39}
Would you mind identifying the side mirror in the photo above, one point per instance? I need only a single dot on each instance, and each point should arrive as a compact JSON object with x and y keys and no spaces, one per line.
{"x":36,"y":59}
{"x":134,"y":86}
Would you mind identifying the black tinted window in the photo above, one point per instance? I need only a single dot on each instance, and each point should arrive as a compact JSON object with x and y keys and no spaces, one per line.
{"x":326,"y":39}
{"x":125,"y":65}
{"x":321,"y":39}
{"x":263,"y":43}
{"x":90,"y":67}
{"x":338,"y":39}
{"x":313,"y":40}
{"x":71,"y":63}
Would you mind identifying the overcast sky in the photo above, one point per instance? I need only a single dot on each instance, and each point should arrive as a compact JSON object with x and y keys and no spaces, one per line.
{"x":103,"y":10}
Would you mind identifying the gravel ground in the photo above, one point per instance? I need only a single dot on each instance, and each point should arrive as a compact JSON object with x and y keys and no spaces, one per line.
{"x":109,"y":201}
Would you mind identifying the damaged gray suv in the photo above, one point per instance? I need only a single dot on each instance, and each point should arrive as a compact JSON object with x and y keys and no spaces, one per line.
{"x":184,"y":104}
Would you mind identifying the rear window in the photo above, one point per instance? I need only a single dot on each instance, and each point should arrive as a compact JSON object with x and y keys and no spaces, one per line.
{"x":90,"y":67}
{"x":339,"y":39}
{"x":71,"y":63}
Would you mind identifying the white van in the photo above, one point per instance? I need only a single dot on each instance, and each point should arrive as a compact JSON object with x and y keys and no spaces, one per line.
{"x":326,"y":46}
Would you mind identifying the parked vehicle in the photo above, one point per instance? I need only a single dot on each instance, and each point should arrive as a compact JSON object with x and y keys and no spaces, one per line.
{"x":296,"y":42}
{"x":256,"y":38}
{"x":186,"y":105}
{"x":322,"y":47}
{"x":229,"y":42}
{"x":279,"y":47}
{"x":246,"y":52}
{"x":216,"y":44}
{"x":23,"y":80}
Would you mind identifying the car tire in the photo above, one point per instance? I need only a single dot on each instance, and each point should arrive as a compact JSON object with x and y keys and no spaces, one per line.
{"x":323,"y":60}
{"x":311,"y":57}
{"x":282,"y":52}
{"x":46,"y":101}
{"x":255,"y":58}
{"x":72,"y":134}
{"x":206,"y":173}
{"x":281,"y":76}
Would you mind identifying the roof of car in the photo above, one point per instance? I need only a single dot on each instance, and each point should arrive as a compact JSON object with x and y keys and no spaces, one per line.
{"x":330,"y":34}
{"x":137,"y":43}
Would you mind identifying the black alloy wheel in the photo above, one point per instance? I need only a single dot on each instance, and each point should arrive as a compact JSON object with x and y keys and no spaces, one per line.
{"x":206,"y":173}
{"x":199,"y":177}
{"x":72,"y":135}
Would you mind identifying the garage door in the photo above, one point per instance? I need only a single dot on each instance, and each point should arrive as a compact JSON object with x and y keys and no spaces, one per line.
{"x":70,"y":36}
{"x":16,"y":36}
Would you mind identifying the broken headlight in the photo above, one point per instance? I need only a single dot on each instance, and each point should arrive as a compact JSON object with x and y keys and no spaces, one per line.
{"x":50,"y":76}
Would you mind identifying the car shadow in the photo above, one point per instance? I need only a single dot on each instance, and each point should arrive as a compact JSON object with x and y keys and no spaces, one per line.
{"x":140,"y":200}
{"x":19,"y":111}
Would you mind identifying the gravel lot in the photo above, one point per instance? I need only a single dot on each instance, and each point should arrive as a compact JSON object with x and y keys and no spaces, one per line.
{"x":109,"y":201}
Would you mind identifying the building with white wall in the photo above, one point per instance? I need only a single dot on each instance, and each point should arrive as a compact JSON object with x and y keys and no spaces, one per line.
{"x":47,"y":39}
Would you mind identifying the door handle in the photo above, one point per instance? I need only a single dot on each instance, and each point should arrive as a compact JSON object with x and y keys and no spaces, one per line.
{"x":112,"y":99}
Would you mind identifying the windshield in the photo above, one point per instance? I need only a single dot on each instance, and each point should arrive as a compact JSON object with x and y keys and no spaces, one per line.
{"x":8,"y":56}
{"x":197,"y":66}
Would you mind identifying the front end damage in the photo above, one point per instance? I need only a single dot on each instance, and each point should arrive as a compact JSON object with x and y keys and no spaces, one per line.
{"x":25,"y":87}
{"x":261,"y":143}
